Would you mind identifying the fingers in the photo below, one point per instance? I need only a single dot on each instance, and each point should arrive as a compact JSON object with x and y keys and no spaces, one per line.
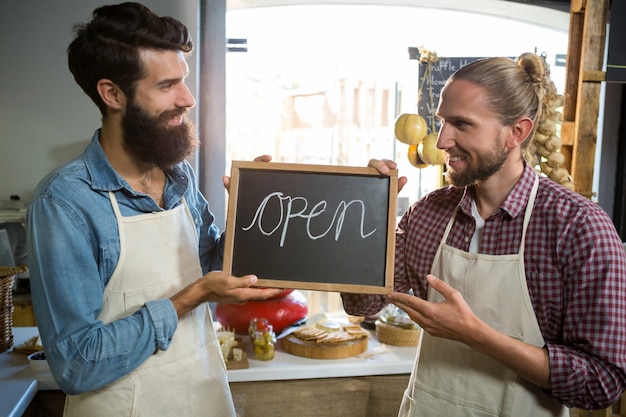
{"x":409,"y":303}
{"x":247,"y":281}
{"x":241,"y":289}
{"x":262,"y":293}
{"x":414,"y":305}
{"x":259,"y":293}
{"x":442,"y":287}
{"x":402,"y":182}
{"x":399,"y":297}
{"x":382,"y":165}
{"x":263,"y":158}
{"x":260,"y":158}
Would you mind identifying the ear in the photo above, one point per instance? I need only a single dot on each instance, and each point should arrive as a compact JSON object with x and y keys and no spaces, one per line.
{"x":111,"y":94}
{"x":520,"y":131}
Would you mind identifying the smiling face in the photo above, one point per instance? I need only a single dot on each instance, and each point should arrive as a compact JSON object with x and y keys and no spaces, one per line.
{"x":155,"y":125}
{"x":471,"y":135}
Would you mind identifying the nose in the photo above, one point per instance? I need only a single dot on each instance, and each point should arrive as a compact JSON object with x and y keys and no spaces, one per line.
{"x":444,"y":137}
{"x":185,"y":98}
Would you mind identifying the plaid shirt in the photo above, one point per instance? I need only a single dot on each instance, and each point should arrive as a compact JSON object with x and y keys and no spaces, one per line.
{"x":575,"y":270}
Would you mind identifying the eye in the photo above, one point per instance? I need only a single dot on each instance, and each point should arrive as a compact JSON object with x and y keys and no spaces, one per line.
{"x":461,"y":124}
{"x":167,"y":84}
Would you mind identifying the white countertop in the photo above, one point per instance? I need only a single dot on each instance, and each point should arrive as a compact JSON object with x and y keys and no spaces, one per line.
{"x":16,"y":395}
{"x":284,"y":366}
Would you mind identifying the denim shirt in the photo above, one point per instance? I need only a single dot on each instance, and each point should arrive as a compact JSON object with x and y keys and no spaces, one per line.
{"x":74,"y":246}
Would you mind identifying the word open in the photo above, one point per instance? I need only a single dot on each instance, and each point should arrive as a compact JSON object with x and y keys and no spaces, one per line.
{"x":289,"y":211}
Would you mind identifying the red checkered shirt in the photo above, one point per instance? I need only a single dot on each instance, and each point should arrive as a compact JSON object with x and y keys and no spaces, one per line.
{"x":575,"y":270}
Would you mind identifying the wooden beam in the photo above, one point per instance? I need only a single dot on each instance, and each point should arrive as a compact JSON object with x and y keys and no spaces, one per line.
{"x":572,"y":62}
{"x":588,"y":97}
{"x":594,"y":76}
{"x":572,"y":72}
{"x":567,"y":135}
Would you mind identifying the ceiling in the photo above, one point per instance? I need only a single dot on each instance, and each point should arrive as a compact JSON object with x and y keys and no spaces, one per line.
{"x":554,"y":13}
{"x":562,"y":5}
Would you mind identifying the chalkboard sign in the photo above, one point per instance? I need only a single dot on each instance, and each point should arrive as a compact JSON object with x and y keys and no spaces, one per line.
{"x":315,"y":227}
{"x":441,"y":71}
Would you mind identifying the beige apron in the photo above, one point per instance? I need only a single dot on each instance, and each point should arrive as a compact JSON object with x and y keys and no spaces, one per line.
{"x":159,"y":256}
{"x":494,"y":286}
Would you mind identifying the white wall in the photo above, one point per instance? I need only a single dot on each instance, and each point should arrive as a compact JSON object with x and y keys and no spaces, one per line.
{"x":45,"y":118}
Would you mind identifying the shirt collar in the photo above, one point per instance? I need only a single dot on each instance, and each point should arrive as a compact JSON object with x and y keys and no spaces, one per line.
{"x":103,"y":176}
{"x":515,"y":202}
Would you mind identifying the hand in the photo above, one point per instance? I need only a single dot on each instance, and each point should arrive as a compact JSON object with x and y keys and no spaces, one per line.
{"x":261,"y":158}
{"x":221,"y":287}
{"x":384,"y":166}
{"x":218,"y":286}
{"x":451,"y":319}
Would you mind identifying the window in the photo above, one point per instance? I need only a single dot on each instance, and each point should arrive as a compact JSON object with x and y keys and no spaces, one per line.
{"x":324,"y":83}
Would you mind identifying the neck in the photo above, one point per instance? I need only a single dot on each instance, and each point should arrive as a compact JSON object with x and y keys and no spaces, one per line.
{"x":490,"y":194}
{"x":151,"y":183}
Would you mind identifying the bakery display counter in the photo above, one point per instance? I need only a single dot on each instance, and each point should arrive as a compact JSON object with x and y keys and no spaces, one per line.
{"x":378,"y":359}
{"x":356,"y":386}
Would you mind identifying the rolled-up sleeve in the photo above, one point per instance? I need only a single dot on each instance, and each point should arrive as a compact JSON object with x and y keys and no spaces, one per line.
{"x":163,"y":316}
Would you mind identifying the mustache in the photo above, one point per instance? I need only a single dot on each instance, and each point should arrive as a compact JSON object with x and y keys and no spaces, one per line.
{"x":169,"y":114}
{"x":455,"y":152}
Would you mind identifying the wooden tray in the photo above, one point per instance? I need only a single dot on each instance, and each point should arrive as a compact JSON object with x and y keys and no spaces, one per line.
{"x":308,"y":349}
{"x":243,"y":363}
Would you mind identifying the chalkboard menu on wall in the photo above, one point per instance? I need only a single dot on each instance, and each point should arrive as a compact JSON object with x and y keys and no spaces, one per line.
{"x":616,"y":59}
{"x":316,"y":227}
{"x":431,"y":90}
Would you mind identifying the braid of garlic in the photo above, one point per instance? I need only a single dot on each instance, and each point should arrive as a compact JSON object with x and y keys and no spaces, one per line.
{"x":545,"y":148}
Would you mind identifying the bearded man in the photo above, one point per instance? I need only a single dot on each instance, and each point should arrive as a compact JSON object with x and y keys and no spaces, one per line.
{"x":124,"y":253}
{"x":519,"y":283}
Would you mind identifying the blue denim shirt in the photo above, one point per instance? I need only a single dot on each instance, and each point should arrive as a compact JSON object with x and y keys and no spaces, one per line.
{"x":74,"y":247}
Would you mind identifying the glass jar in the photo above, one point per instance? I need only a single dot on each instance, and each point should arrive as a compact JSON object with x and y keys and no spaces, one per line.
{"x":257,"y":324}
{"x":263,"y":339}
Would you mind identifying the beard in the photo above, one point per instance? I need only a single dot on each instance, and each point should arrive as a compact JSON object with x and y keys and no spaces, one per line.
{"x":156,"y":142}
{"x":478,"y":170}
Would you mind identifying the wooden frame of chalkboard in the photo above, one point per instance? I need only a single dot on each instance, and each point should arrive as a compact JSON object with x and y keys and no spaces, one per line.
{"x":312,"y":227}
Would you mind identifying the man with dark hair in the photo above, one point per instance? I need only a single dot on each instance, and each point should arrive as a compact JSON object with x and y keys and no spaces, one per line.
{"x":124,"y":254}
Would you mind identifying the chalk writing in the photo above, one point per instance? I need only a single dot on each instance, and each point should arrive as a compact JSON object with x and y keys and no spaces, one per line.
{"x":289,"y":210}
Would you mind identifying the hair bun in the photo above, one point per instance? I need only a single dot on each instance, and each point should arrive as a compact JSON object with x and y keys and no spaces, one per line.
{"x":534,"y":66}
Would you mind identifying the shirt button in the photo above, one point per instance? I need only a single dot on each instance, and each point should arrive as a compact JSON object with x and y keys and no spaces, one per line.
{"x":466,"y":239}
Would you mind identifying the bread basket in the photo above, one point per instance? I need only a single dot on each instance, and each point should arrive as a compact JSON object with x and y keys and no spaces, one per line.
{"x":7,"y":276}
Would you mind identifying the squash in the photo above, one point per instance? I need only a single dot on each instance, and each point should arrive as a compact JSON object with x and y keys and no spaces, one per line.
{"x":414,"y":157}
{"x":428,"y":151}
{"x":410,"y":128}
